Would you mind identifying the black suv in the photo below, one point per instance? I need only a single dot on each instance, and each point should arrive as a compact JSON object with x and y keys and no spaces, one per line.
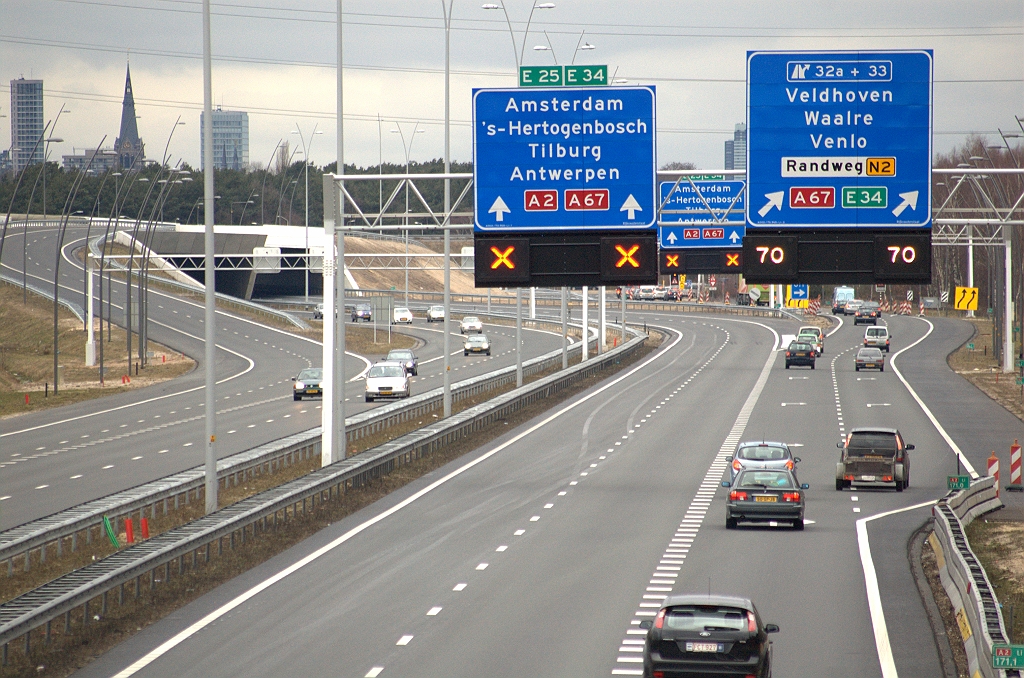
{"x":362,"y":312}
{"x":406,"y":357}
{"x":706,"y":635}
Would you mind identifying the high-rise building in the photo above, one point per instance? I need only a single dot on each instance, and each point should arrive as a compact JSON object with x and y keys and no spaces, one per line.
{"x":736,"y":149}
{"x":5,"y":162}
{"x":230,"y":139}
{"x":131,"y":152}
{"x":26,"y":122}
{"x":98,"y":161}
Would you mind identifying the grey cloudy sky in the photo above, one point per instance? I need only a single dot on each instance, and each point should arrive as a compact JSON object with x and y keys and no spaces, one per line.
{"x":275,"y":59}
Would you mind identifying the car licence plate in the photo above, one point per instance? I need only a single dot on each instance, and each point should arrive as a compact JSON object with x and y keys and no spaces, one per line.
{"x":702,"y":647}
{"x":869,"y":478}
{"x":313,"y":390}
{"x":766,"y":497}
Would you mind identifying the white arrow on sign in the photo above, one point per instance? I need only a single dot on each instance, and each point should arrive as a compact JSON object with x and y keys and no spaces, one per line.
{"x":630,"y":207}
{"x":774,"y":200}
{"x":909,"y":200}
{"x":499,"y":209}
{"x":671,"y":237}
{"x":734,"y":237}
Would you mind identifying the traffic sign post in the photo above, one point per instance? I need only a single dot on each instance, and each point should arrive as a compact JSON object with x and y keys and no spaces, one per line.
{"x":563,"y":159}
{"x":856,"y":124}
{"x":704,"y":210}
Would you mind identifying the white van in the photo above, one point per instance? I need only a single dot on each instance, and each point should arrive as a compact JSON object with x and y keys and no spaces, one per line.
{"x":840,"y":296}
{"x":877,"y":336}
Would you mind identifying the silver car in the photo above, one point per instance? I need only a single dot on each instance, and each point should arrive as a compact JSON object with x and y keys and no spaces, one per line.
{"x":435,"y":314}
{"x":387,"y":380}
{"x":471,"y":324}
{"x":477,"y":344}
{"x":877,"y":337}
{"x":762,"y":455}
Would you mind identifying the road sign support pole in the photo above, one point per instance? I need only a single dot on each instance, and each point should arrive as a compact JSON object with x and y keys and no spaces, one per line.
{"x":519,"y":336}
{"x":1008,"y":356}
{"x":602,"y":319}
{"x":586,"y":309}
{"x":447,"y":214}
{"x":970,"y":261}
{"x":623,"y":311}
{"x":209,"y":277}
{"x":565,"y":328}
{"x":533,"y":303}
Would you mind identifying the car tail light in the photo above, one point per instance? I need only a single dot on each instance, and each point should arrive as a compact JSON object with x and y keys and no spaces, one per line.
{"x":659,"y":621}
{"x":790,"y":496}
{"x":847,"y":477}
{"x":737,"y":465}
{"x":789,"y":464}
{"x":787,"y":354}
{"x":661,"y":674}
{"x":737,"y":495}
{"x":751,"y":622}
{"x":886,"y":479}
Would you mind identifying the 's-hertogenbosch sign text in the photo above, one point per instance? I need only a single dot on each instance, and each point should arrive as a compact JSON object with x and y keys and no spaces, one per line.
{"x":564,"y":159}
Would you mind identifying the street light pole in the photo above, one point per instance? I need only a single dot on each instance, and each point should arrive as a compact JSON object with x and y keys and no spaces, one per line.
{"x":408,"y":153}
{"x":447,"y":208}
{"x":305,"y":155}
{"x":209,"y":277}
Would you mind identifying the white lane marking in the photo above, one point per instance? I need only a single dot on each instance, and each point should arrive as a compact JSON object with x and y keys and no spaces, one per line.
{"x":199,"y":625}
{"x":42,"y":487}
{"x":432,"y":612}
{"x":75,"y":477}
{"x":882,"y":645}
{"x":501,"y":548}
{"x":108,"y":466}
{"x":878,"y":404}
{"x":404,"y":640}
{"x":931,"y":417}
{"x":374,"y":672}
{"x":461,"y":586}
{"x":519,"y":533}
{"x":482,"y":566}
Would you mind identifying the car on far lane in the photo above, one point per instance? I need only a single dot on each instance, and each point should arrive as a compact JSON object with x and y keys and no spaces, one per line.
{"x":402,"y":315}
{"x":318,"y":312}
{"x":386,"y":380}
{"x":869,"y":358}
{"x":308,"y":383}
{"x":762,"y":455}
{"x":435,"y":314}
{"x":800,"y":353}
{"x":362,"y":312}
{"x":406,"y":357}
{"x":707,"y":635}
{"x":868,"y":313}
{"x":477,"y":344}
{"x":471,"y":324}
{"x":852,"y":306}
{"x":765,"y":496}
{"x":817,"y":333}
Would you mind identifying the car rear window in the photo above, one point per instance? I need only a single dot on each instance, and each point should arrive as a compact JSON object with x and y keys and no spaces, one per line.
{"x":386,"y":371}
{"x":400,"y":355}
{"x":869,"y":353}
{"x":766,"y":478}
{"x":706,"y":618}
{"x":763,"y":453}
{"x":314,"y":374}
{"x":797,"y":346}
{"x":876,"y":331}
{"x":872,"y":444}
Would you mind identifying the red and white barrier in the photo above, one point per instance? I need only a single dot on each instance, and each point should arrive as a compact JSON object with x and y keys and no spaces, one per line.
{"x":1015,"y":484}
{"x":993,"y":470}
{"x":726,"y":298}
{"x":813,"y":307}
{"x":921,"y":311}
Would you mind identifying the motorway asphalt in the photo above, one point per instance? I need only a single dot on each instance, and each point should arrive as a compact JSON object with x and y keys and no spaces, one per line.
{"x":54,"y":459}
{"x":540,"y":553}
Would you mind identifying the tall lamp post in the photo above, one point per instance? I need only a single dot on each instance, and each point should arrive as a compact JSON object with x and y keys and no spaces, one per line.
{"x":306,"y":147}
{"x":407,"y":147}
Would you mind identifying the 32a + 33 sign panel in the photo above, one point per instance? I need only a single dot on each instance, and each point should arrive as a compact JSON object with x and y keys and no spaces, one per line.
{"x":839,"y":139}
{"x":564,"y":159}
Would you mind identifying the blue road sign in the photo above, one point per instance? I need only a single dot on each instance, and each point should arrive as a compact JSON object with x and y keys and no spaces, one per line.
{"x":839,"y":139}
{"x":798,"y":292}
{"x":561,"y":159}
{"x":688,"y":202}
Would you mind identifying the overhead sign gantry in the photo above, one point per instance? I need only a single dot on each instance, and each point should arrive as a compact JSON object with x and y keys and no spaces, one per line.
{"x":839,"y":148}
{"x":567,"y":177}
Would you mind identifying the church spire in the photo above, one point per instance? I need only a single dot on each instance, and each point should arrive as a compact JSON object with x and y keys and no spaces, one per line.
{"x":129,"y":146}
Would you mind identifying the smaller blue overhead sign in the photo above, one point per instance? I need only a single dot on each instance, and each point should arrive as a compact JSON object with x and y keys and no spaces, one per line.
{"x":562,"y":159}
{"x":704,"y":205}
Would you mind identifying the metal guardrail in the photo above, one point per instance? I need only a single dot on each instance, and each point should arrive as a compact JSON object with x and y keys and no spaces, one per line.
{"x":50,"y":532}
{"x":77,"y":310}
{"x":963,"y":577}
{"x":20,"y":616}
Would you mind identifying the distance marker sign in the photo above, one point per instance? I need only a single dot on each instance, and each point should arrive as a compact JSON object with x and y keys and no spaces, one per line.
{"x":839,"y":139}
{"x":563,"y":159}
